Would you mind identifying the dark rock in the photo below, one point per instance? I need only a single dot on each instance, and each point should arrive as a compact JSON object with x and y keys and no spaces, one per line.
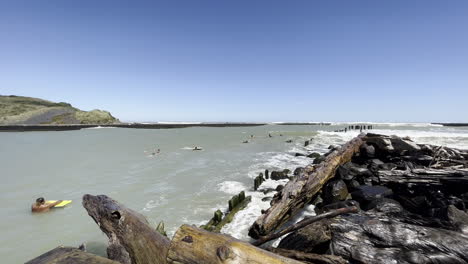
{"x":367,"y":151}
{"x":289,"y":141}
{"x":314,"y":238}
{"x":458,"y":218}
{"x":382,"y":143}
{"x":314,"y":155}
{"x":365,"y":194}
{"x":266,"y":199}
{"x":298,"y":171}
{"x":278,"y":175}
{"x":385,"y":205}
{"x":267,"y":174}
{"x":403,"y":145}
{"x":279,"y":188}
{"x":306,"y":143}
{"x":335,"y":191}
{"x":319,"y":160}
{"x":332,"y":147}
{"x":353,"y":185}
{"x":299,"y":155}
{"x":286,"y":171}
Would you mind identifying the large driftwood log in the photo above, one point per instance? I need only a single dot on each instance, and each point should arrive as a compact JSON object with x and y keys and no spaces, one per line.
{"x":69,"y":255}
{"x":300,"y":191}
{"x":424,"y":176}
{"x":131,"y":239}
{"x":192,"y":245}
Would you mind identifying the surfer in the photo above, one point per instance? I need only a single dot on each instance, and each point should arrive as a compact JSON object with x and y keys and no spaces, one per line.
{"x":197,"y":148}
{"x":41,"y":206}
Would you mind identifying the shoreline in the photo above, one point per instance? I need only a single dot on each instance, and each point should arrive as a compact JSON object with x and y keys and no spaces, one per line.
{"x":26,"y":128}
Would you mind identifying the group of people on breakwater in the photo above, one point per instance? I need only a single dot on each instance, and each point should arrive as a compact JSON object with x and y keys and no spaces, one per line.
{"x":355,"y":127}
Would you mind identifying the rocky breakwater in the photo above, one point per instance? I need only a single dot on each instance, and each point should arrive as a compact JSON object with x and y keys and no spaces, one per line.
{"x":413,"y":201}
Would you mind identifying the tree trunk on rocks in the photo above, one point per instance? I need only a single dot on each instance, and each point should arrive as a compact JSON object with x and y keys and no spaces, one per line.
{"x":424,"y":176}
{"x":300,"y":191}
{"x":192,"y":245}
{"x":69,"y":255}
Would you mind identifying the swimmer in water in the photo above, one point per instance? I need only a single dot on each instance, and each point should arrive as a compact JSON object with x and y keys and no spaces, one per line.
{"x":41,"y":206}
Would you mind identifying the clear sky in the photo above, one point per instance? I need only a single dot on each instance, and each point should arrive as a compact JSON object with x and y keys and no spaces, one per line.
{"x":250,"y":60}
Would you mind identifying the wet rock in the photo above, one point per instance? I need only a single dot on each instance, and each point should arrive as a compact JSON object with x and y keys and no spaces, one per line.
{"x":314,"y":238}
{"x":335,"y":191}
{"x":367,"y":151}
{"x":319,"y":160}
{"x":298,"y":171}
{"x":365,"y":194}
{"x":306,"y":143}
{"x":279,"y":188}
{"x":289,"y":141}
{"x":382,"y":143}
{"x":314,"y":155}
{"x":458,"y":218}
{"x":403,"y":145}
{"x":267,"y":174}
{"x":278,"y":175}
{"x":353,"y":185}
{"x":385,"y":205}
{"x":299,"y":155}
{"x":266,"y":199}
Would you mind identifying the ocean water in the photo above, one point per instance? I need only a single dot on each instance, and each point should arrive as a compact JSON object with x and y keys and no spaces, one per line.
{"x":177,"y":186}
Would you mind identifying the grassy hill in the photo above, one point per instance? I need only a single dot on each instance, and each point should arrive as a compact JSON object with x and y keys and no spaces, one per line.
{"x":34,"y":111}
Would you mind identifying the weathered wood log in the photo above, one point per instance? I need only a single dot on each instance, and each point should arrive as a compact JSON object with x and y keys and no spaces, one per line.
{"x":192,"y":245}
{"x":130,"y":235}
{"x":69,"y":255}
{"x":308,"y":257}
{"x":424,"y":176}
{"x":300,"y":191}
{"x":305,"y":222}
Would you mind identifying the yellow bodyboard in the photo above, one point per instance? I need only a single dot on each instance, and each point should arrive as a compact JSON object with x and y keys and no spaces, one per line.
{"x":62,"y":204}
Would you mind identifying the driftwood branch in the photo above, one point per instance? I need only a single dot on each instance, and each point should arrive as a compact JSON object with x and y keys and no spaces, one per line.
{"x":303,"y":223}
{"x":300,"y":191}
{"x":192,"y":245}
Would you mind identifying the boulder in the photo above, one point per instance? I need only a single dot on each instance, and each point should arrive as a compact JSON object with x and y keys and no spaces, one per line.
{"x":403,"y":145}
{"x":314,"y":238}
{"x":382,"y":143}
{"x":365,"y":194}
{"x":299,"y":155}
{"x":314,"y":155}
{"x":367,"y":151}
{"x":298,"y":171}
{"x":278,"y":175}
{"x":335,"y":191}
{"x":279,"y":188}
{"x":458,"y":218}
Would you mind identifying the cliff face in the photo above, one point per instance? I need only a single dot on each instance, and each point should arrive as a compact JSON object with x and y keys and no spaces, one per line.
{"x":35,"y":111}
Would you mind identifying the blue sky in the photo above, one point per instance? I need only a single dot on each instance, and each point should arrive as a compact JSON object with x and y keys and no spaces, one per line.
{"x":252,"y":60}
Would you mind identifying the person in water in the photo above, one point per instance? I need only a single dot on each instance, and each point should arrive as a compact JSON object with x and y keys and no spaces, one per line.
{"x":41,"y":206}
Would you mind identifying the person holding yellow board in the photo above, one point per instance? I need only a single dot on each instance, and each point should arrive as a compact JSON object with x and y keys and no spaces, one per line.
{"x":42,"y":206}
